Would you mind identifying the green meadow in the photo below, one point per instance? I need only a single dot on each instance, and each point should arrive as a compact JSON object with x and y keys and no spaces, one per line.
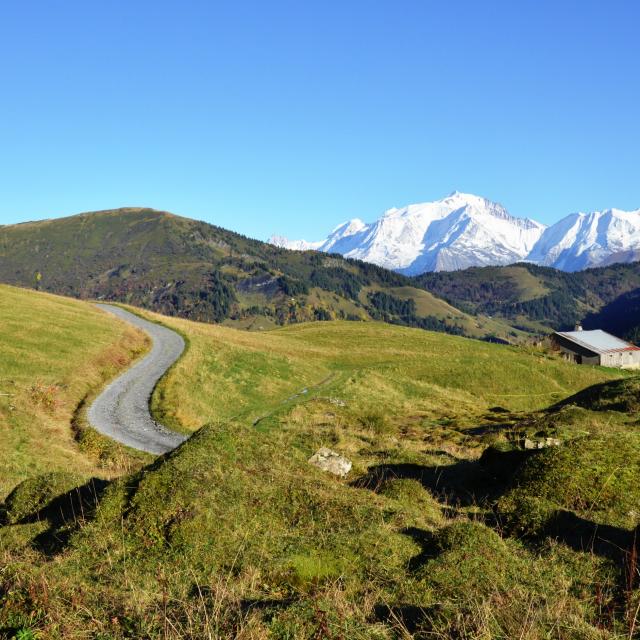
{"x":449,"y":524}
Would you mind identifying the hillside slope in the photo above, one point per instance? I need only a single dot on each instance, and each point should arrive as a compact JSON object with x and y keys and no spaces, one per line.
{"x":235,"y":535}
{"x":620,"y":316}
{"x":539,"y":298}
{"x":53,"y":352}
{"x":179,"y":266}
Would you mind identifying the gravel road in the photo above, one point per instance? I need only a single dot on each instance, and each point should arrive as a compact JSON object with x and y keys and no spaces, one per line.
{"x":121,"y":411}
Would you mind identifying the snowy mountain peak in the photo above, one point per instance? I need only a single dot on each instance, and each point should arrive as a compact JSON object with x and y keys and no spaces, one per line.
{"x":296,"y":245}
{"x":458,"y":198}
{"x":583,"y":240}
{"x":464,"y":230}
{"x":347,"y":228}
{"x":461,"y":199}
{"x":465,"y":198}
{"x":455,"y":232}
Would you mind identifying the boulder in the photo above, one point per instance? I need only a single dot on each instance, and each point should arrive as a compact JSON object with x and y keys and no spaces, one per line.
{"x":541,"y":444}
{"x":330,"y":461}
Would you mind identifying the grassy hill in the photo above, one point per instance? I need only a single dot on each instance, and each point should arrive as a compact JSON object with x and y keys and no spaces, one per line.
{"x":440,"y":530}
{"x":540,"y":298}
{"x":54,"y":352}
{"x":195,"y":270}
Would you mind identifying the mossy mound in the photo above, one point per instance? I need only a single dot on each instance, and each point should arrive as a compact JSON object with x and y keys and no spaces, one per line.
{"x":34,"y":494}
{"x":412,"y":495}
{"x":595,"y":477}
{"x":476,"y":582}
{"x":468,"y":557}
{"x":620,"y":395}
{"x":229,"y":487}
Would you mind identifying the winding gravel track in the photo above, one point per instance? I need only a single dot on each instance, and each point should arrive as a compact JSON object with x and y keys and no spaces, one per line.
{"x":121,"y":411}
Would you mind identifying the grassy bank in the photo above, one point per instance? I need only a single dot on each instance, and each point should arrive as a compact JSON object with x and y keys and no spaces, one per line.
{"x":53,"y":352}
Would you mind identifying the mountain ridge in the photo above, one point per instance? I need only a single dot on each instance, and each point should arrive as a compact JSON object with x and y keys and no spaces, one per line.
{"x":464,"y":230}
{"x":183,"y":267}
{"x":178,"y":266}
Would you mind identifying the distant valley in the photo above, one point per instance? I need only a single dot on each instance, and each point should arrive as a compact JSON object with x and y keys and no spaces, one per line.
{"x":536,"y":298}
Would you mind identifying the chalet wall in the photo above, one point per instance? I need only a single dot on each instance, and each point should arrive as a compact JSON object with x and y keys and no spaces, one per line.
{"x":622,"y":359}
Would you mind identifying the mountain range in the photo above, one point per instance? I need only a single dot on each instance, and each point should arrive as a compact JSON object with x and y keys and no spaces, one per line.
{"x":464,"y":230}
{"x":182,"y":267}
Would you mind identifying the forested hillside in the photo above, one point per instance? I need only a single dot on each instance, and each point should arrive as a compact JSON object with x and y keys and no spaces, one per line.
{"x":621,"y":316}
{"x":195,"y":270}
{"x":537,"y":297}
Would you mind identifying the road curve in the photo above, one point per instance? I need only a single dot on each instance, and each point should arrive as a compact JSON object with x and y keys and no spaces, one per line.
{"x":121,"y":411}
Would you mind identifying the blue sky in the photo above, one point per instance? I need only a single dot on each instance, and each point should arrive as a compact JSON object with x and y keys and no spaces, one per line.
{"x":291,"y":117}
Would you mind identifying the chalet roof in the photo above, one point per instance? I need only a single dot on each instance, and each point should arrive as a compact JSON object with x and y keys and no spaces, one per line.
{"x":598,"y":341}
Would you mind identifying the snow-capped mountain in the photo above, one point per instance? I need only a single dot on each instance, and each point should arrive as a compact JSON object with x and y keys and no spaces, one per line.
{"x":459,"y":231}
{"x":464,"y":230}
{"x":583,"y":240}
{"x":296,"y":245}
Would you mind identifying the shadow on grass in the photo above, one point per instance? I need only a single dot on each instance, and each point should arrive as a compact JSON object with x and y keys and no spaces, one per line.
{"x":64,"y":515}
{"x":481,"y":483}
{"x":426,"y":541}
{"x":463,"y":483}
{"x":408,"y":618}
{"x":580,"y":534}
{"x":616,"y":395}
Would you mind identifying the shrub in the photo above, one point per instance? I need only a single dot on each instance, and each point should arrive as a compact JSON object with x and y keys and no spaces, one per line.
{"x":45,"y":395}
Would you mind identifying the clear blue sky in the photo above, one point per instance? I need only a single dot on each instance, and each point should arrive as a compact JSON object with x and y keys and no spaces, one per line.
{"x":291,"y":117}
